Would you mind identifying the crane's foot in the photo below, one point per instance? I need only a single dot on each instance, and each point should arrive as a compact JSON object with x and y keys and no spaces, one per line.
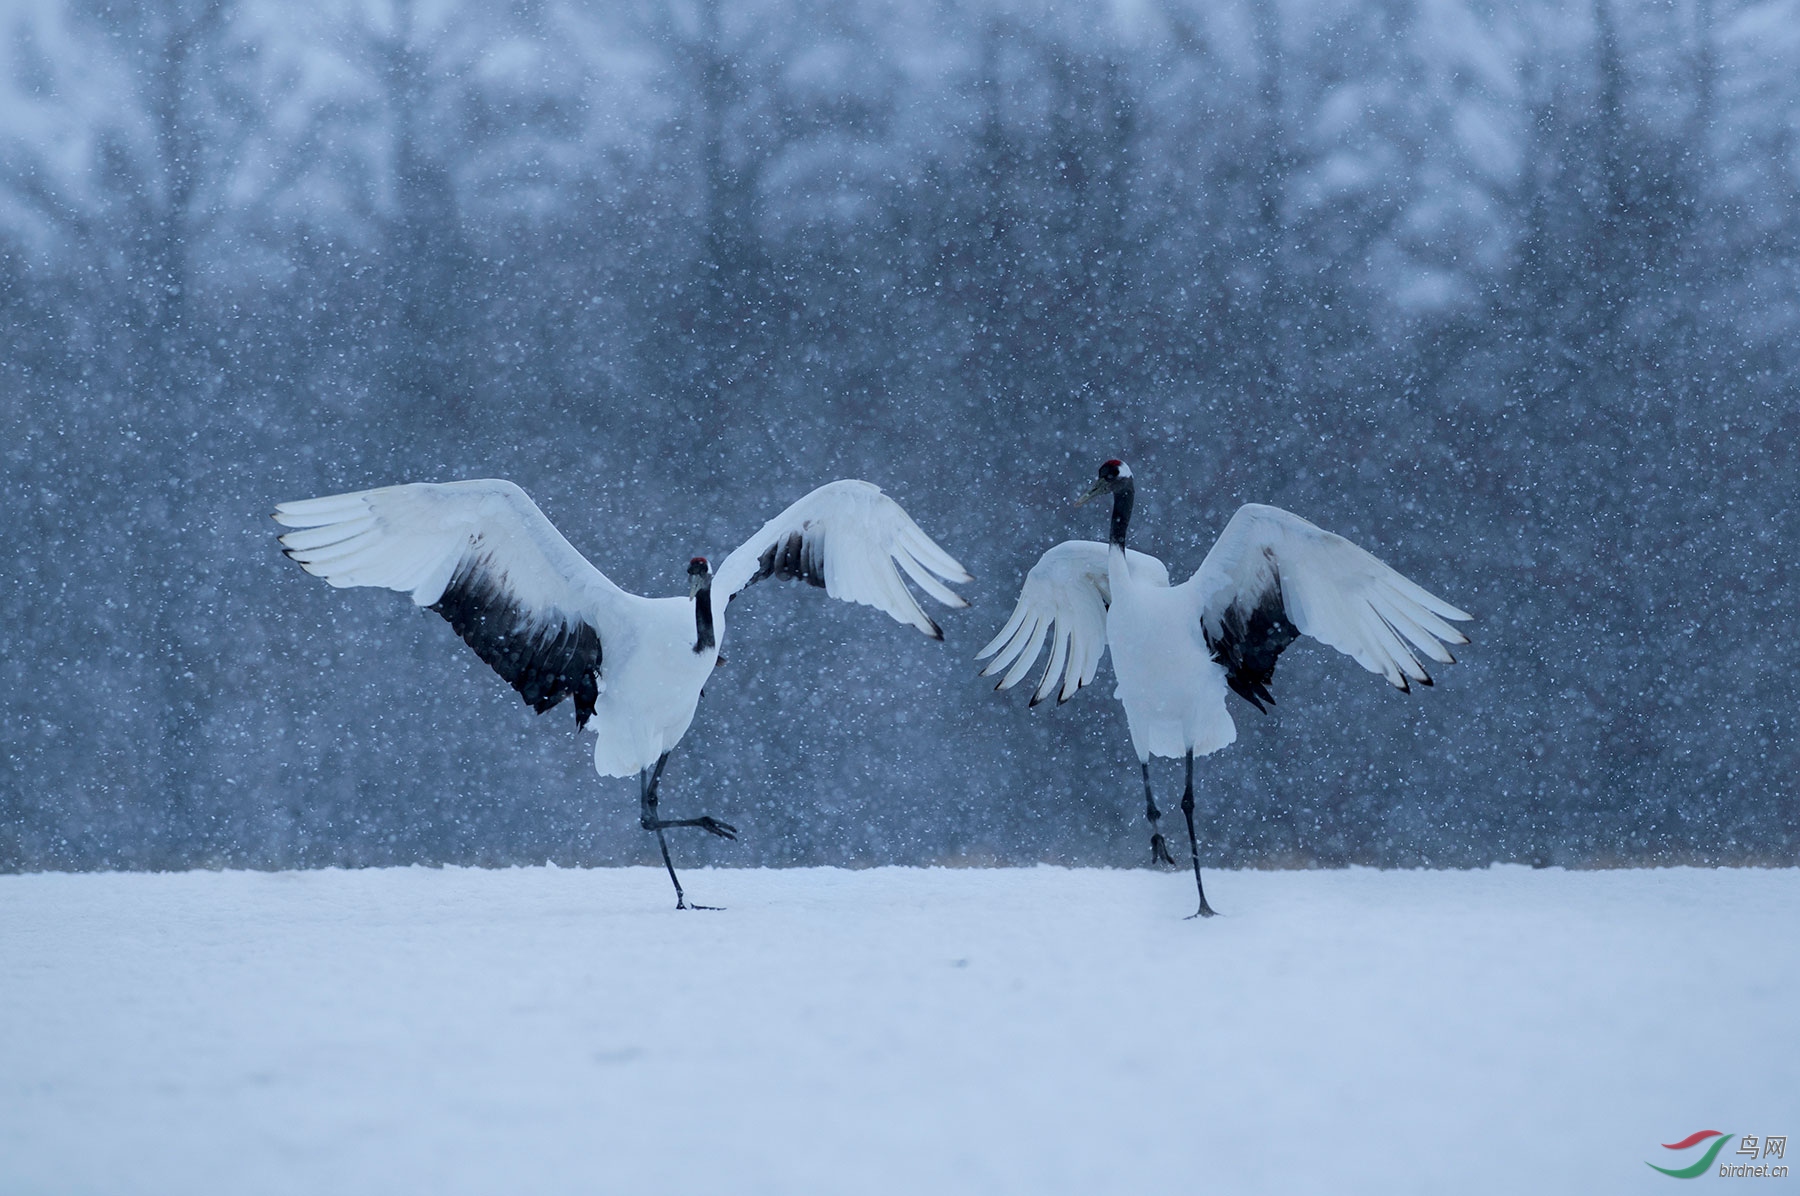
{"x":683,"y":903}
{"x":1205,"y":911}
{"x":705,"y":822}
{"x":1159,"y":850}
{"x":713,"y":826}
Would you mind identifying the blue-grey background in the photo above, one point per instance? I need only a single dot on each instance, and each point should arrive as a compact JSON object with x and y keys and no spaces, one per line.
{"x":1506,"y":292}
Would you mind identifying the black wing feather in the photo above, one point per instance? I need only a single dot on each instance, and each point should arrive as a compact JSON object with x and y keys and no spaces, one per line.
{"x":796,"y":555}
{"x":1252,"y":633}
{"x":546,"y":661}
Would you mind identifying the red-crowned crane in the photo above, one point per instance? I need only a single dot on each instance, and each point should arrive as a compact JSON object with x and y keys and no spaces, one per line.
{"x":1178,"y":650}
{"x":482,"y":555}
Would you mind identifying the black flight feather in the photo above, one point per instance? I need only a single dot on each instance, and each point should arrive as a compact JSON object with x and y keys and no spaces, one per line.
{"x":1253,"y":632}
{"x":545,"y":660}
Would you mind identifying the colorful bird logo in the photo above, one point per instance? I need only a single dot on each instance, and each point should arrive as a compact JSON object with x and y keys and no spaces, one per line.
{"x":1706,"y":1160}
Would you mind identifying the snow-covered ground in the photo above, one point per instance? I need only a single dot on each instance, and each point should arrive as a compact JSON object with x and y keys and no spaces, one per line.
{"x":894,"y":1030}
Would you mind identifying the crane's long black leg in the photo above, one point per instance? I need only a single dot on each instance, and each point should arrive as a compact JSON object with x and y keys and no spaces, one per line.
{"x":647,"y":817}
{"x":1187,"y":809}
{"x":1159,"y":846}
{"x":705,"y":822}
{"x":648,"y":781}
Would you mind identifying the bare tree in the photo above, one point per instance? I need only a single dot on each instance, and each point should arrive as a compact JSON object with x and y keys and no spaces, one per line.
{"x":153,"y":188}
{"x":134,"y":222}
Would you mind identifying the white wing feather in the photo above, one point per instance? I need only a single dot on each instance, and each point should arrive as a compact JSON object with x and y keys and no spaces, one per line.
{"x":1330,"y":589}
{"x":848,"y":537}
{"x":1063,"y":600}
{"x":483,"y":556}
{"x":413,"y":538}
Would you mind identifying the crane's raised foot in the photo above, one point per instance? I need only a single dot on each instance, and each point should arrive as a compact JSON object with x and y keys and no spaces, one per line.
{"x":713,"y":826}
{"x":1159,"y":850}
{"x":705,"y":822}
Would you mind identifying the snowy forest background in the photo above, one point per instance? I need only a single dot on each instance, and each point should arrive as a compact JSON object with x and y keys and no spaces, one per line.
{"x":1506,"y":292}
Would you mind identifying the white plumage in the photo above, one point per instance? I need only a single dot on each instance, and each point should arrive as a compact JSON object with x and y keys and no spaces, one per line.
{"x":1178,"y":650}
{"x":484,"y":556}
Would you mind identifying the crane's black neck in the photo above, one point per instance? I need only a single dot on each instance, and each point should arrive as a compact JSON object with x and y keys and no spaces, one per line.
{"x":1121,"y":512}
{"x":703,"y":619}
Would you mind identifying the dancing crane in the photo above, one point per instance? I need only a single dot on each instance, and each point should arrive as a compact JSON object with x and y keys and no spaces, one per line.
{"x":482,"y":555}
{"x":1177,"y":650}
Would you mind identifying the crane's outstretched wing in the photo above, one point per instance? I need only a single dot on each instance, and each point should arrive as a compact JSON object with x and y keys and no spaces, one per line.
{"x":482,"y":555}
{"x":1064,"y":598}
{"x":847,"y":536}
{"x":1273,"y":576}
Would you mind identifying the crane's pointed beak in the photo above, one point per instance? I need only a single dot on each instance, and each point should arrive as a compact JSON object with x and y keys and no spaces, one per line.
{"x":1095,"y":491}
{"x":698,"y":582}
